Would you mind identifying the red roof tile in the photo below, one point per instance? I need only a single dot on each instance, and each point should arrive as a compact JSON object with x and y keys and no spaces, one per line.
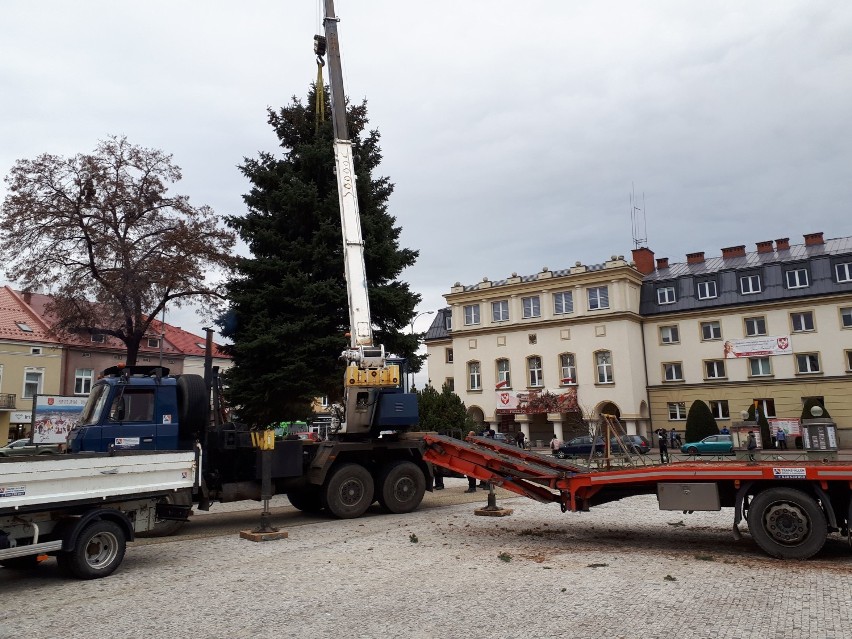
{"x":15,"y":314}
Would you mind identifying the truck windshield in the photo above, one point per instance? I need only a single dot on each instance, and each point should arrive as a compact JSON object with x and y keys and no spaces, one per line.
{"x":95,"y":405}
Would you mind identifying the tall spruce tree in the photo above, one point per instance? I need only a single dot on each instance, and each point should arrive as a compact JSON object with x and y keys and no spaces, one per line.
{"x":288,"y":315}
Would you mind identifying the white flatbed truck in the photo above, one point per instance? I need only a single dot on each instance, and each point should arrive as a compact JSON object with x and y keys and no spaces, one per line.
{"x":83,"y":509}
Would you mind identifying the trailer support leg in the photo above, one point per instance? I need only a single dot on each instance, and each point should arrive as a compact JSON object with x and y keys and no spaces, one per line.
{"x":492,"y":510}
{"x":265,"y":532}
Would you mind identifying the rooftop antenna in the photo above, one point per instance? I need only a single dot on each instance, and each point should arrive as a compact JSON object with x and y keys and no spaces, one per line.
{"x":637,"y":219}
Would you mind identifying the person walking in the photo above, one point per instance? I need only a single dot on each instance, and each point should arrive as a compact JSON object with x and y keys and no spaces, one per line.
{"x":781,"y":438}
{"x":662,"y":436}
{"x":520,"y":439}
{"x":672,"y":437}
{"x":751,"y":445}
{"x":555,"y":443}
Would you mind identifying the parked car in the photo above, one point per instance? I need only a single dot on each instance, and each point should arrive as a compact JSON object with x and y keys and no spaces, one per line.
{"x":580,"y":447}
{"x":640,"y":444}
{"x":503,"y":438}
{"x":712,"y":445}
{"x":24,"y":447}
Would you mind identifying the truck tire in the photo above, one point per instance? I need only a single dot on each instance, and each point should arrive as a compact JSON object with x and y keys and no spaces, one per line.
{"x":30,"y":562}
{"x":308,"y":499}
{"x":193,"y":405}
{"x":98,"y":552}
{"x":401,"y":487}
{"x":168,"y":527}
{"x":348,"y":492}
{"x":787,"y":523}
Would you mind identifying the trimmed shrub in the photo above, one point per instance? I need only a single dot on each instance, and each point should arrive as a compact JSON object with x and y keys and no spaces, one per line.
{"x":700,"y":422}
{"x":810,"y":402}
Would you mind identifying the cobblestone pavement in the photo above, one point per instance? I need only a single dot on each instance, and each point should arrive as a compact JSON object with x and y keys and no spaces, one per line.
{"x":623,"y":570}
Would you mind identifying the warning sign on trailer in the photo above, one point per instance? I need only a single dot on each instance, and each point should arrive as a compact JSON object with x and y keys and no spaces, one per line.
{"x":789,"y":473}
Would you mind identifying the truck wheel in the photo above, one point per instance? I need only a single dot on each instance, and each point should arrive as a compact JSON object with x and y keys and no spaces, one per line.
{"x":561,"y":454}
{"x":306,"y":499}
{"x":168,"y":527}
{"x":349,"y":491}
{"x":401,"y":487}
{"x":21,"y":563}
{"x":192,"y":405}
{"x":98,"y":552}
{"x":787,"y":523}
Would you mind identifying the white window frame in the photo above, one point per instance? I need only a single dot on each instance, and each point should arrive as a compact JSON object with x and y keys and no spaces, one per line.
{"x":531,"y":306}
{"x":677,"y":411}
{"x":153,"y":342}
{"x":471,"y":315}
{"x":603,"y":368}
{"x":755,"y":320}
{"x":567,"y":369}
{"x":504,"y":373}
{"x":707,"y":294}
{"x":450,"y":382}
{"x":848,"y":361}
{"x":802,"y":318}
{"x":448,"y":322}
{"x":846,"y":317}
{"x":797,"y":278}
{"x":750,"y":284}
{"x":765,"y":405}
{"x":474,"y":376}
{"x":535,"y":376}
{"x":719,"y":409}
{"x":448,"y":355}
{"x":808,"y":363}
{"x":39,"y":382}
{"x":563,"y":303}
{"x":500,"y":311}
{"x":670,"y":334}
{"x":760,"y":361}
{"x":84,"y":377}
{"x":598,"y":297}
{"x":672,"y":371}
{"x":711,"y":325}
{"x":666,"y":295}
{"x":716,"y":367}
{"x":843,"y":272}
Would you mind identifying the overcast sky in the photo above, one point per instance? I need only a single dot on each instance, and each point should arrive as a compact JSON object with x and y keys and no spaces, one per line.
{"x":513,"y":131}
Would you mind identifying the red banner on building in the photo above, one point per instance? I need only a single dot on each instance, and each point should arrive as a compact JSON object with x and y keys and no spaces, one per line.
{"x":534,"y":402}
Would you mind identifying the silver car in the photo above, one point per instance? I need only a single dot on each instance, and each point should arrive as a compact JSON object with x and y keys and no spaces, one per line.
{"x":26,"y":447}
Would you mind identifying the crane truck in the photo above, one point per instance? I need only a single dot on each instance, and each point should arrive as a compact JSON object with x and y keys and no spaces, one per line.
{"x":148,"y":446}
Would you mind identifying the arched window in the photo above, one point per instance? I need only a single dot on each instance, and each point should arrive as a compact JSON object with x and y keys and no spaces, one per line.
{"x":474,"y":376}
{"x":504,"y":379}
{"x":535,"y":373}
{"x":603,"y":364}
{"x":567,"y":369}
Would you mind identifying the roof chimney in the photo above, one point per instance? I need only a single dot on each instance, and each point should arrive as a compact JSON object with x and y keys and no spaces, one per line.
{"x":782,"y":244}
{"x":28,"y":296}
{"x":662,"y":262}
{"x":813,"y":239}
{"x":695,"y":258}
{"x":643,"y":257}
{"x":764,"y":247}
{"x":733,"y":251}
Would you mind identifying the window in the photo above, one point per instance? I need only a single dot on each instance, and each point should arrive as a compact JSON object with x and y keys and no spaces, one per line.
{"x":134,"y":405}
{"x":707,"y":290}
{"x":802,"y":321}
{"x":666,"y":295}
{"x":448,"y":322}
{"x":33,"y":378}
{"x":598,"y":298}
{"x":448,"y":355}
{"x":750,"y":284}
{"x":471,"y":314}
{"x":532,"y":306}
{"x":766,"y":407}
{"x":846,"y":317}
{"x":677,"y":410}
{"x":755,"y":326}
{"x":98,"y":338}
{"x":673,"y":372}
{"x":500,"y":311}
{"x":534,"y":367}
{"x":503,"y":378}
{"x":669,"y":335}
{"x":450,"y":383}
{"x":714,"y":369}
{"x":719,"y":408}
{"x":35,"y":350}
{"x":474,"y":376}
{"x":567,"y":369}
{"x":153,"y":342}
{"x":807,"y":363}
{"x":83,"y":381}
{"x":324,"y":401}
{"x":1,"y":376}
{"x":759,"y":366}
{"x":24,"y":327}
{"x":603,"y":363}
{"x":844,"y":272}
{"x":563,"y":303}
{"x":797,"y":278}
{"x":848,"y":361}
{"x":711,"y":330}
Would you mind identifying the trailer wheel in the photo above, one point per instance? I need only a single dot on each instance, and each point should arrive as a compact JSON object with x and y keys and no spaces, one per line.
{"x":28,"y":562}
{"x":307,"y":500}
{"x":168,"y":527}
{"x":349,"y":491}
{"x":787,"y":523}
{"x":401,"y":487}
{"x":561,"y":454}
{"x":192,"y":405}
{"x":98,"y":552}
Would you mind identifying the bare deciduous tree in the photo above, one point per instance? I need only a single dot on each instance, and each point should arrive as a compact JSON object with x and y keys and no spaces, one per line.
{"x":103,"y":235}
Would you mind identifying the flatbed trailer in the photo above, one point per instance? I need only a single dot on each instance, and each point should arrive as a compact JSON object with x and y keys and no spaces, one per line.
{"x":790,"y":507}
{"x":84,"y":508}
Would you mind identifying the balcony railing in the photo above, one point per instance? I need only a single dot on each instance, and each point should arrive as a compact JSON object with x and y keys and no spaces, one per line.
{"x":7,"y":400}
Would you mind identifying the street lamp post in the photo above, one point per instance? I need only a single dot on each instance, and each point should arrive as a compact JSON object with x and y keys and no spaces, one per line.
{"x":418,"y":341}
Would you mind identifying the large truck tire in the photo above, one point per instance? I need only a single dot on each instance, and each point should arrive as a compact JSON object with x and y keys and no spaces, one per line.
{"x":99,"y":551}
{"x":348,"y":491}
{"x":167,"y":527}
{"x":401,"y":487}
{"x":307,"y":499}
{"x":787,"y":523}
{"x":193,"y":405}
